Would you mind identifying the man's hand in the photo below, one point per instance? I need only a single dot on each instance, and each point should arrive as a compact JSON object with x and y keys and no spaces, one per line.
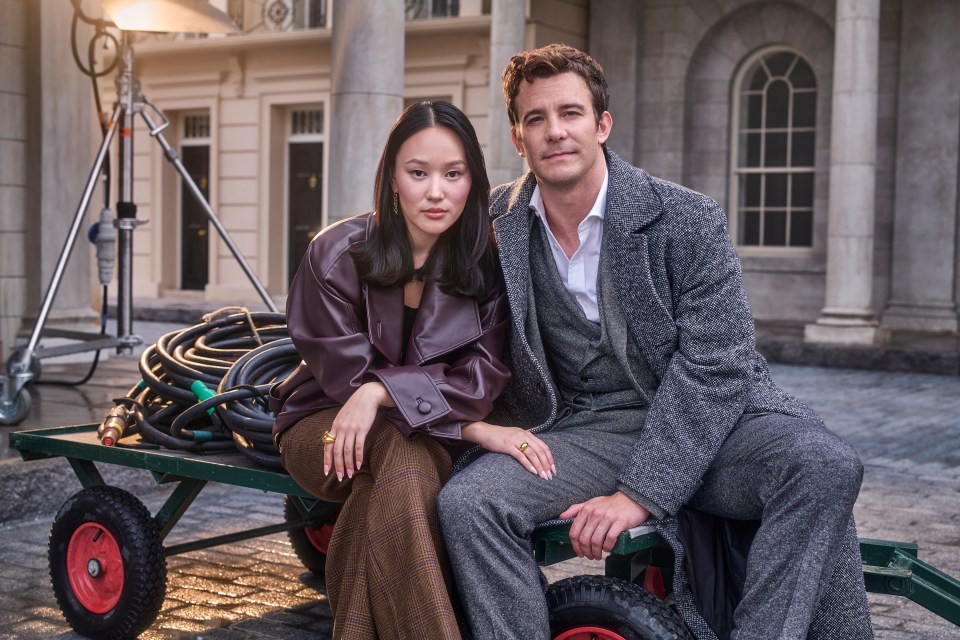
{"x":598,"y":522}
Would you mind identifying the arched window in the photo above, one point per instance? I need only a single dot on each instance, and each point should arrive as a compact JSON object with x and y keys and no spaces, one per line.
{"x":774,"y":151}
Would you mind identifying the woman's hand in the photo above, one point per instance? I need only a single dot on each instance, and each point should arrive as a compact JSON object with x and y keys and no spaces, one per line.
{"x":535,"y":457}
{"x":350,"y":428}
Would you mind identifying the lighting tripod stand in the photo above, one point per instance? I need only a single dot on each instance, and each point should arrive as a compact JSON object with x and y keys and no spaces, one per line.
{"x":15,"y":399}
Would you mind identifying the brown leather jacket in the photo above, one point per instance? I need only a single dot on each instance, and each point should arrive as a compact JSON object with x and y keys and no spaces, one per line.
{"x":349,"y":333}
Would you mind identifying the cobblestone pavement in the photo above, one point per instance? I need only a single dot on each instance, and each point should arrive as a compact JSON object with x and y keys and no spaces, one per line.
{"x":905,"y":427}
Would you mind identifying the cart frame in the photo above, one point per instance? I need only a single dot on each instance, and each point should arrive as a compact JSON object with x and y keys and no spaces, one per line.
{"x":79,"y":445}
{"x":889,"y":567}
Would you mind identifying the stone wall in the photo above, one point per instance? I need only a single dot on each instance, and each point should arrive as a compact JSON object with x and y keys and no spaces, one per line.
{"x":13,"y":147}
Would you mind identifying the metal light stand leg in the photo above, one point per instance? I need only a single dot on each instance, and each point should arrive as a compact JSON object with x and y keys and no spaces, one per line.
{"x":171,"y":154}
{"x":21,"y":374}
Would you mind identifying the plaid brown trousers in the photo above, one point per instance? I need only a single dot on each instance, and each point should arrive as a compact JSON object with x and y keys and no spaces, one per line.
{"x":387,"y":573}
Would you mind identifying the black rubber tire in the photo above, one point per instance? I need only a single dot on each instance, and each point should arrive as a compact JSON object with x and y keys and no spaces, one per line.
{"x":611,"y":604}
{"x":17,"y":411}
{"x":313,"y":558}
{"x":140,"y":547}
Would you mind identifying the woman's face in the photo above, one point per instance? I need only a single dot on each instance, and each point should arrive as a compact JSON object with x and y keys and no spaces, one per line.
{"x":432,"y":180}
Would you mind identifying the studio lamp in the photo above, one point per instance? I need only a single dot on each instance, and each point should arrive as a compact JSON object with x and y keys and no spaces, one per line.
{"x":169,"y":16}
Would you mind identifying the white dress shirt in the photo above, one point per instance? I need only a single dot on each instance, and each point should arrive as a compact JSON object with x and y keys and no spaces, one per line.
{"x":579,"y":271}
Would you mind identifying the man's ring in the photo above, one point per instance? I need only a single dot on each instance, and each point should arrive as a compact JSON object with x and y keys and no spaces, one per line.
{"x":523,"y":446}
{"x":328,"y":438}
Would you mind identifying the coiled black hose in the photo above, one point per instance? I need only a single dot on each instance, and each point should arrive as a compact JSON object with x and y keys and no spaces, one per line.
{"x":204,"y":387}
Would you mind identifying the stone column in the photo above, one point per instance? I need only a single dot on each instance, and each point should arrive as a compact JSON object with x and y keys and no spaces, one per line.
{"x":366,"y":97}
{"x":922,"y":293}
{"x":848,"y":316}
{"x":508,"y":23}
{"x":616,"y":30}
{"x":13,"y":187}
{"x":61,"y":141}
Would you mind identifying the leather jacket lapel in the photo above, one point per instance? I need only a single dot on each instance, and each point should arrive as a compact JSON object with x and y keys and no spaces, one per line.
{"x":385,"y":320}
{"x":444,"y":323}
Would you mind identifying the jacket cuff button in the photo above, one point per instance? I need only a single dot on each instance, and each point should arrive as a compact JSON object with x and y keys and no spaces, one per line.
{"x":424,"y":407}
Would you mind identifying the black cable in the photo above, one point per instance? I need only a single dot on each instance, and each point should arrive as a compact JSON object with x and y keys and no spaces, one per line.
{"x":96,"y":355}
{"x":100,"y":32}
{"x":203,"y":388}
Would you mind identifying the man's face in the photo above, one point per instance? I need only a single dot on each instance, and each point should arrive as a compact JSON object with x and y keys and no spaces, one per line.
{"x":558,"y":133}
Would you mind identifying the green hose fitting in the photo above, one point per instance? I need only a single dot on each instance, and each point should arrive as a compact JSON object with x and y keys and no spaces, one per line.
{"x":202,"y":435}
{"x":202,"y":392}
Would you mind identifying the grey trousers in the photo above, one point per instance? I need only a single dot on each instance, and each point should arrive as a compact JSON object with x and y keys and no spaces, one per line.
{"x":798,"y":478}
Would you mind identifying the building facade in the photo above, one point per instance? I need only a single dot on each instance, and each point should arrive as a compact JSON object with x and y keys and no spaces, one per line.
{"x":829,"y":130}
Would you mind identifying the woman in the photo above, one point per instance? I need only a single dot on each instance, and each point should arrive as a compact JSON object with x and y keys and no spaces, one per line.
{"x":399,"y":316}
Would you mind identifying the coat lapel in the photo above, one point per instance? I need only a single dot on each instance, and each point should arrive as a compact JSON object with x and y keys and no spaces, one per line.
{"x":513,"y":239}
{"x":632,"y":204}
{"x":612,"y":312}
{"x":385,"y":320}
{"x":444,"y":323}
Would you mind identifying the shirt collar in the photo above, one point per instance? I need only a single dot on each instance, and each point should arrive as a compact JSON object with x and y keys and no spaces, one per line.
{"x":598,"y":210}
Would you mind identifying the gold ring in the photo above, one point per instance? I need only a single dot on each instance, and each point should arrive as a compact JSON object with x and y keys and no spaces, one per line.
{"x":523,"y":446}
{"x":328,"y":438}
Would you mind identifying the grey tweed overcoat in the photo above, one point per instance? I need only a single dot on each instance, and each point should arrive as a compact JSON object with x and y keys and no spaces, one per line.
{"x":678,"y":282}
{"x":679,"y":286}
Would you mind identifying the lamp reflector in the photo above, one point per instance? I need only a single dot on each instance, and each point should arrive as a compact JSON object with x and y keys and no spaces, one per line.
{"x":169,"y":16}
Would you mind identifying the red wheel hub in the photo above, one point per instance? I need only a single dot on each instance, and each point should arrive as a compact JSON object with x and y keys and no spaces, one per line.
{"x":95,"y":567}
{"x":588,"y":633}
{"x":320,"y":536}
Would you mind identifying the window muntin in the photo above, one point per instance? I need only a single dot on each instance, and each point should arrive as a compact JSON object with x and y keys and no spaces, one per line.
{"x":774,"y":152}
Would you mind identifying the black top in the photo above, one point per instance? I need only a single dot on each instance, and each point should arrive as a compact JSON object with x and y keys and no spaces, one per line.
{"x":409,"y":315}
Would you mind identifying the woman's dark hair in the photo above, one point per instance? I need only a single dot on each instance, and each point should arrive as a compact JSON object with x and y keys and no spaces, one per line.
{"x":464,"y":255}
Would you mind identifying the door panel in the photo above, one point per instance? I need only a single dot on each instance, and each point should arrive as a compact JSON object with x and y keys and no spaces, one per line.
{"x":305,"y":200}
{"x":194,"y":227}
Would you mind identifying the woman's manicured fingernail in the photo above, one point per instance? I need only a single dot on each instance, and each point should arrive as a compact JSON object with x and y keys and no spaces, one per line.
{"x":326,"y":469}
{"x":339,"y":476}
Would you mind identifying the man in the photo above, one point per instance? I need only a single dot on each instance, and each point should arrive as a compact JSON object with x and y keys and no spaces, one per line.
{"x":634,"y":368}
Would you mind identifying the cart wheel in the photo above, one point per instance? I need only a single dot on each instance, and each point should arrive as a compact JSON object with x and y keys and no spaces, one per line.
{"x":310,"y":543}
{"x":17,"y":411}
{"x":33,"y":366}
{"x":107,"y":563}
{"x":601,"y":608}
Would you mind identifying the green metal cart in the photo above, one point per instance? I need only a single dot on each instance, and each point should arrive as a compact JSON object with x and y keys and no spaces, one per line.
{"x":107,"y":557}
{"x":108,"y":560}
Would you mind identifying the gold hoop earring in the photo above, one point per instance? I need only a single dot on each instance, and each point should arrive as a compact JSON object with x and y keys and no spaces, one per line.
{"x":396,"y":204}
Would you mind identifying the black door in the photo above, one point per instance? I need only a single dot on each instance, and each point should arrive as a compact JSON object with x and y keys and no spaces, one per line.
{"x":305,"y":198}
{"x":194,"y":228}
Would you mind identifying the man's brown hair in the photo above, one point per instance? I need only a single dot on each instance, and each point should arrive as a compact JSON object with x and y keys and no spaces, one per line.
{"x":547,"y":62}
